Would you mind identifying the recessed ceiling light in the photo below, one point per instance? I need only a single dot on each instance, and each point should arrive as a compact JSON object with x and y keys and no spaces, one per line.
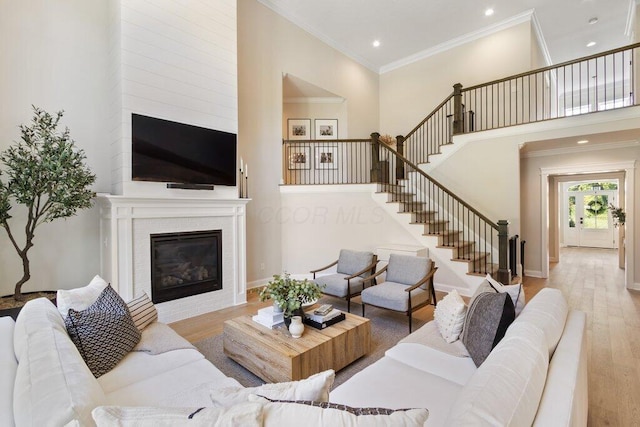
{"x":593,"y":20}
{"x":583,"y":141}
{"x":488,"y":12}
{"x":376,"y":43}
{"x":591,"y":44}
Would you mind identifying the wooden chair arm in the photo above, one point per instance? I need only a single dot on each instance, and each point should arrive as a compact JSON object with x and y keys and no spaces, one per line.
{"x":376,"y":274}
{"x":423,"y":281}
{"x":324,"y":268}
{"x":367,"y":268}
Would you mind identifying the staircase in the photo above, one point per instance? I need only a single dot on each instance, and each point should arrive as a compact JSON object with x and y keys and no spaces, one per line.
{"x":429,"y":210}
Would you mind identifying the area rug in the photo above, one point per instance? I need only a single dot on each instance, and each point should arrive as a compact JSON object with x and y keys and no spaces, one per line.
{"x":387,"y":328}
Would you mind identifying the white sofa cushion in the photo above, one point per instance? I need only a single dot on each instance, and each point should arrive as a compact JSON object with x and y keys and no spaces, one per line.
{"x":315,"y":388}
{"x":181,"y":386}
{"x":248,"y":414}
{"x":389,"y":383}
{"x":80,"y":298}
{"x":506,"y":388}
{"x":53,"y":384}
{"x":565,"y":398}
{"x":309,"y":414}
{"x":138,"y":366}
{"x":547,"y":310}
{"x":8,"y":368}
{"x":449,"y":316}
{"x":36,"y":315}
{"x":433,"y":361}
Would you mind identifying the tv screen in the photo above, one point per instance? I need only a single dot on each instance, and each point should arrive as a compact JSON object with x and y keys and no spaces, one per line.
{"x":166,"y":151}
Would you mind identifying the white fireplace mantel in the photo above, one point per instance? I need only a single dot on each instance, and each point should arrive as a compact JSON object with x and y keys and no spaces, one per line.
{"x":125,"y":228}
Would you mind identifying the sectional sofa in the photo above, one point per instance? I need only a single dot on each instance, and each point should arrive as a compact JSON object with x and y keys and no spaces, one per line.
{"x":536,"y":375}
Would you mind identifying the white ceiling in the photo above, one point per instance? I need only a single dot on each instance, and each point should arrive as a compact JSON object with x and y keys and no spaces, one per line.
{"x":411,"y":28}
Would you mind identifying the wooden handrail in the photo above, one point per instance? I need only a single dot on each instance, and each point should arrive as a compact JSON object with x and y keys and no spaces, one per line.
{"x":435,"y":110}
{"x":441,"y":187}
{"x":552,"y":67}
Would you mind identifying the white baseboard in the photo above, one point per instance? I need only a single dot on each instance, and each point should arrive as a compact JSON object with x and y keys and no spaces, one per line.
{"x":533,"y":273}
{"x":634,"y":286}
{"x":258,"y":283}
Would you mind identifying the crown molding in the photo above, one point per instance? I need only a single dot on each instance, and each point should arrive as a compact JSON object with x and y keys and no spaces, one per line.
{"x":582,"y":149}
{"x":537,"y":29}
{"x":299,"y":22}
{"x":314,"y":100}
{"x":629,"y":28}
{"x":458,"y":41}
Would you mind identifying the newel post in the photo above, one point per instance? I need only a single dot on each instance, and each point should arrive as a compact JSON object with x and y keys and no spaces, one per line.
{"x":375,"y":157}
{"x":458,"y":114}
{"x":399,"y":162}
{"x":504,"y":274}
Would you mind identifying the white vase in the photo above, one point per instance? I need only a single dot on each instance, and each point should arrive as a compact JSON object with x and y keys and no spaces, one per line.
{"x":296,"y":328}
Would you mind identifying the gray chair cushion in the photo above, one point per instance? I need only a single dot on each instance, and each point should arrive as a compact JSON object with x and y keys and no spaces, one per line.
{"x":336,"y":284}
{"x":407,"y":269}
{"x":487,"y":320}
{"x":351,"y":262}
{"x":393,"y":296}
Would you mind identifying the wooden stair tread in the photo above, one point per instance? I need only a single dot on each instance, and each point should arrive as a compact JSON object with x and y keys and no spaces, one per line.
{"x":474,"y":257}
{"x":458,"y":244}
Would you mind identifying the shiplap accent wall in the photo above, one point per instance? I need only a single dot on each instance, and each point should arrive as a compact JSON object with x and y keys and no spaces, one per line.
{"x":175,"y":60}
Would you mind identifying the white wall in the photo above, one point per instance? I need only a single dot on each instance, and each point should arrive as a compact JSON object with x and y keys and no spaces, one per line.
{"x":316,"y":110}
{"x":410,"y":93}
{"x":178,"y":62}
{"x":318,"y":221}
{"x":269,"y":47}
{"x":54,"y":56}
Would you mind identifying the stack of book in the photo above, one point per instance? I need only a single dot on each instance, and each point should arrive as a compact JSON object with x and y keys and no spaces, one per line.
{"x":322,"y":321}
{"x":267,"y":317}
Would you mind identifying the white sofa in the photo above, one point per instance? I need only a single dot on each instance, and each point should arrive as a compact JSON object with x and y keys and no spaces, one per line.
{"x":536,"y":375}
{"x":45,"y":382}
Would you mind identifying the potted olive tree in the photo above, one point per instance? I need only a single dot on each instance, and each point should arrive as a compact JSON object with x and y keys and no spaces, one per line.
{"x":45,"y":173}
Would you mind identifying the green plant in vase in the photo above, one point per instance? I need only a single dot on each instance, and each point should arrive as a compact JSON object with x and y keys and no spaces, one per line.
{"x":618,"y":214}
{"x":290,"y":294}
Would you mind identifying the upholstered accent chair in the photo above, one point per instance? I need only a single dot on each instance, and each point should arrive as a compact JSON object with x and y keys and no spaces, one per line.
{"x":408,"y":285}
{"x":348,"y":281}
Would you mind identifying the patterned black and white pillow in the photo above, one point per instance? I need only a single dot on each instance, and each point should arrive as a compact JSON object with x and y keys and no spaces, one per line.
{"x":340,"y":407}
{"x":104,"y":332}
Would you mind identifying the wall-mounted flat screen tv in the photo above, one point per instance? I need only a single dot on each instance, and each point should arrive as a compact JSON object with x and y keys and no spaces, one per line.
{"x":171,"y":152}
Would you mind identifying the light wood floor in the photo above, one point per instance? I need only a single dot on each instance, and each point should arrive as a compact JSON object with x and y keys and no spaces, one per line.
{"x":591,"y":282}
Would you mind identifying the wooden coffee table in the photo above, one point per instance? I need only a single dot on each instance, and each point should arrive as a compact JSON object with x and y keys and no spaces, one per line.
{"x":274,"y":356}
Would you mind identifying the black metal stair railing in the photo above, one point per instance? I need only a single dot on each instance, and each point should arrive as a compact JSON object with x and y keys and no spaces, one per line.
{"x":431,"y":133}
{"x":472,"y":236}
{"x":335,"y":161}
{"x":600,"y":82}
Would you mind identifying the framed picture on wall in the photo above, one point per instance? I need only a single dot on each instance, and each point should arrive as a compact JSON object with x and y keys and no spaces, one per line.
{"x":299,"y":129}
{"x":326,"y":128}
{"x":299,"y":157}
{"x":326,"y":157}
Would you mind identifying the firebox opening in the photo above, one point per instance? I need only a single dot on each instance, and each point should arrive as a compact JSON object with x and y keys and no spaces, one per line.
{"x":185,"y":264}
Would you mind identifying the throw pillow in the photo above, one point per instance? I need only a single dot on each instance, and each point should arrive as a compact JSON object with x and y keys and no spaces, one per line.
{"x":293,"y":413}
{"x":316,"y":388}
{"x":487,"y":320}
{"x":104,"y":332}
{"x":142,"y":310}
{"x":449,"y":316}
{"x":515,"y":292}
{"x":79,"y":298}
{"x":246,"y":414}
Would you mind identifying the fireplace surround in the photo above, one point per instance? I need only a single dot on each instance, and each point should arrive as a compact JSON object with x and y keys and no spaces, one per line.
{"x":127,"y":224}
